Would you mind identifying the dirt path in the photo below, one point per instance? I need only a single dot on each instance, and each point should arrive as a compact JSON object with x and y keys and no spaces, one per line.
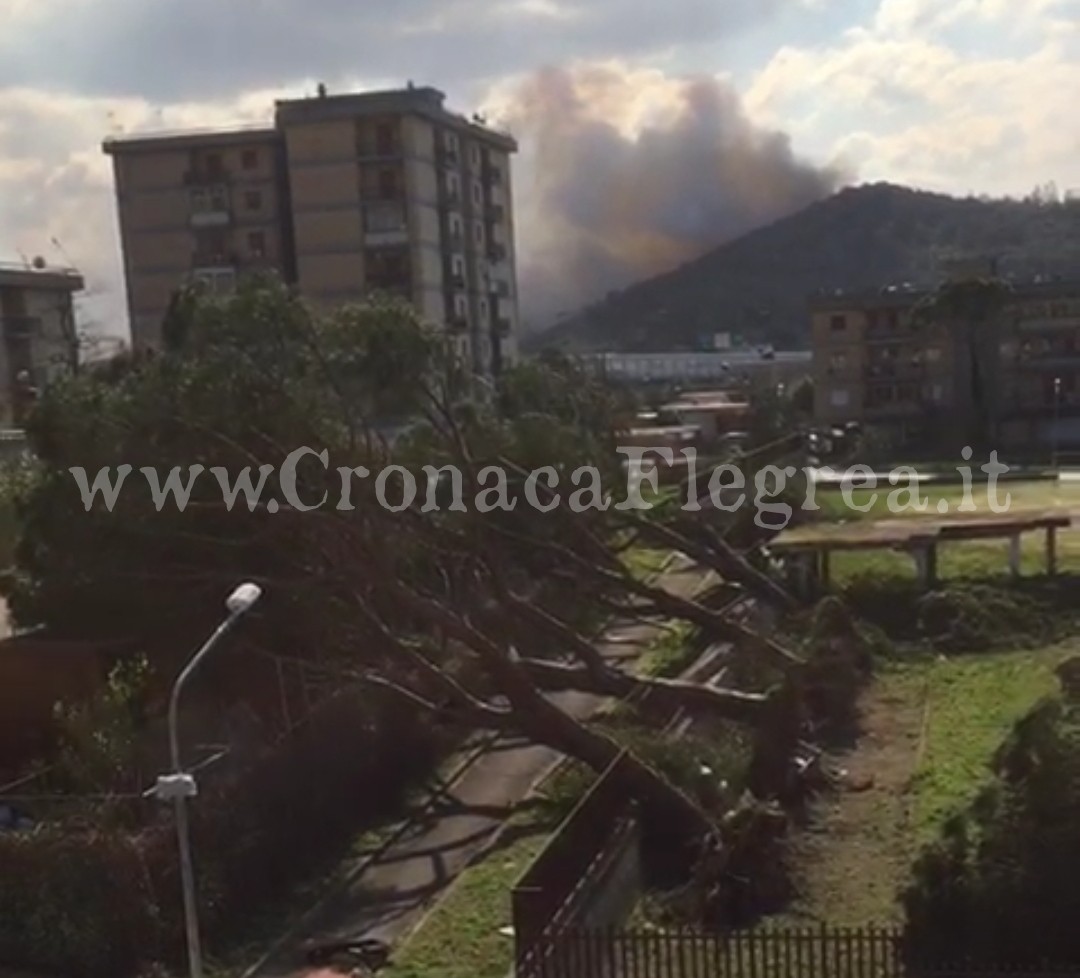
{"x":853,"y":858}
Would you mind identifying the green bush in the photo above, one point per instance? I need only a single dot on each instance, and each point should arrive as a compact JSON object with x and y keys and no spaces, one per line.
{"x":962,"y":617}
{"x":1001,"y":885}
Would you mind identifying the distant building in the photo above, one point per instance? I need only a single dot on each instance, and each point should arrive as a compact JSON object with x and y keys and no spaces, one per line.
{"x":872,"y":364}
{"x":727,"y":367}
{"x":344,"y":195}
{"x":37,"y":321}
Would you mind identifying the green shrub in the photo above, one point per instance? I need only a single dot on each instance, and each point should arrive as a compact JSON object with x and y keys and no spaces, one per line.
{"x":1001,"y":885}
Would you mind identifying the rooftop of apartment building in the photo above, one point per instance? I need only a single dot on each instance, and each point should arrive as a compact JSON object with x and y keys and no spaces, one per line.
{"x":38,"y":275}
{"x":905,"y":293}
{"x":423,"y":101}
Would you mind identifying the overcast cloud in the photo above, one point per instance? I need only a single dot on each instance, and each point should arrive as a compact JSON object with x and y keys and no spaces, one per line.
{"x":638,"y":146}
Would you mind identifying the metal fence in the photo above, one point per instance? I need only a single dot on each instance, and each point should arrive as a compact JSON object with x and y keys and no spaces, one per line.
{"x":815,"y":952}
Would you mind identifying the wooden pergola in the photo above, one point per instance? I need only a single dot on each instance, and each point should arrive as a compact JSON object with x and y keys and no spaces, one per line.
{"x":810,"y":547}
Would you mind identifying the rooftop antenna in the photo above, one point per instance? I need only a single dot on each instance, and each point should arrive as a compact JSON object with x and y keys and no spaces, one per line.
{"x":63,"y":252}
{"x":321,"y":90}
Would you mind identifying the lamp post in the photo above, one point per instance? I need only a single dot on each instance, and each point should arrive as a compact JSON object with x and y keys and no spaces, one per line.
{"x":178,"y":786}
{"x":1057,"y":418}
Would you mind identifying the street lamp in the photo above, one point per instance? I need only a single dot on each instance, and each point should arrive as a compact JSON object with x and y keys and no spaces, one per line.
{"x":1057,"y":418}
{"x":178,"y":786}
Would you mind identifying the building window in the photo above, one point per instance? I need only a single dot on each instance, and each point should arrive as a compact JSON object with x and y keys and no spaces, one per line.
{"x":384,"y":217}
{"x":388,"y":269}
{"x":474,"y":157}
{"x":838,"y":361}
{"x":483,"y":310}
{"x":457,"y":228}
{"x":257,"y":243}
{"x":477,"y":195}
{"x":389,"y":185}
{"x":461,"y":307}
{"x":249,"y":159}
{"x":253,"y":200}
{"x":838,"y":323}
{"x":453,"y":187}
{"x":838,"y":398}
{"x":385,"y":139}
{"x":214,"y":165}
{"x":478,"y":233}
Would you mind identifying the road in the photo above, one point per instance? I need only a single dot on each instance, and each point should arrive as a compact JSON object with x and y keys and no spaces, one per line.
{"x":388,"y":898}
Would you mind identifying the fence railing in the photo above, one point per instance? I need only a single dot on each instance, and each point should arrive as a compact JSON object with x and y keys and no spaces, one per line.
{"x":815,"y":952}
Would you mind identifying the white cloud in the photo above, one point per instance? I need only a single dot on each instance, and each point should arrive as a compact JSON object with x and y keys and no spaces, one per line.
{"x":929,"y":92}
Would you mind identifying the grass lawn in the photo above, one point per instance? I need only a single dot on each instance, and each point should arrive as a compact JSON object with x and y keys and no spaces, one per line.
{"x":461,"y":936}
{"x":971,"y":705}
{"x":1021,"y":495}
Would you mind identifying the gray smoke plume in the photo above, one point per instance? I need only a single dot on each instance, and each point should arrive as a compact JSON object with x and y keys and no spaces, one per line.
{"x":602,"y":208}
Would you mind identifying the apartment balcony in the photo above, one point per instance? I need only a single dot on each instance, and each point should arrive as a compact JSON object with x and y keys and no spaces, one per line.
{"x":385,"y":222}
{"x":492,"y":176}
{"x":500,"y":288}
{"x":380,"y":152}
{"x":202,"y":177}
{"x":457,"y":280}
{"x":1051,"y":360}
{"x":215,"y":260}
{"x":496,"y":252}
{"x":218,"y":217}
{"x":458,"y":324}
{"x":502,"y":327}
{"x":20,"y":327}
{"x":496,"y":213}
{"x":401,"y":287}
{"x":450,"y":157}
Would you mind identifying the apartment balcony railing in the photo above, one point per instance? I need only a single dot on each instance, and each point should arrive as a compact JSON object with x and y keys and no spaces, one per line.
{"x":496,"y":252}
{"x":457,"y":280}
{"x":458,"y":323}
{"x":500,"y":289}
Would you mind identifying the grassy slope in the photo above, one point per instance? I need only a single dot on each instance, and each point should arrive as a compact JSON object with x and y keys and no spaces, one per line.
{"x":932,"y":726}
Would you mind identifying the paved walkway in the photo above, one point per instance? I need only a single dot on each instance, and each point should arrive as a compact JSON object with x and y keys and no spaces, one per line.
{"x":389,"y":896}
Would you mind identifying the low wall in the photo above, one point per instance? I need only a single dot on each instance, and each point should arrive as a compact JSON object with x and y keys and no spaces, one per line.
{"x":588,"y":874}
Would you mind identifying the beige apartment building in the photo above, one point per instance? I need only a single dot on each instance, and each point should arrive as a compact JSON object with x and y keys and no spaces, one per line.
{"x":875,"y":364}
{"x":37,"y":322}
{"x":343,"y":196}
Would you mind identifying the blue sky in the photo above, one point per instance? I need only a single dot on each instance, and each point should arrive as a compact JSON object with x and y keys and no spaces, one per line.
{"x":953,"y":95}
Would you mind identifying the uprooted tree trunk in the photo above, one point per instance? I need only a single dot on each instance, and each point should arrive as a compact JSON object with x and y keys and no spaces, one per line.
{"x":536,"y":716}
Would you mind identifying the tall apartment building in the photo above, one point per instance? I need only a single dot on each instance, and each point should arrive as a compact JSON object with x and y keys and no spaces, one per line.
{"x":37,"y":325}
{"x":875,"y":364}
{"x":343,"y":196}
